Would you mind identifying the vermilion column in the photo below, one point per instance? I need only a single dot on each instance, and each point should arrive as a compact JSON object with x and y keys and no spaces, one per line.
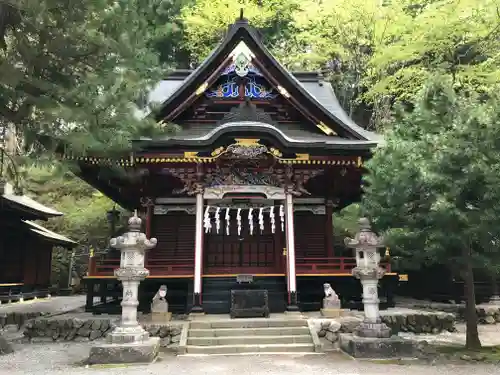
{"x":290,"y":247}
{"x":198,"y":254}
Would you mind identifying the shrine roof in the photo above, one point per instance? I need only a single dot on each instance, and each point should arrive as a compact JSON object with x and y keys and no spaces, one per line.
{"x":49,"y":235}
{"x":311,"y":81}
{"x":289,"y":134}
{"x":305,"y":89}
{"x":26,"y":204}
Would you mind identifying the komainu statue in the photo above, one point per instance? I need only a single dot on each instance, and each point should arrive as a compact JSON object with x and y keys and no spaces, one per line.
{"x":331,"y":300}
{"x":159,"y":305}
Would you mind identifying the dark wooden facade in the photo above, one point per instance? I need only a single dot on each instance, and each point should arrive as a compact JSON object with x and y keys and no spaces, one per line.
{"x":252,"y":134}
{"x":25,"y":247}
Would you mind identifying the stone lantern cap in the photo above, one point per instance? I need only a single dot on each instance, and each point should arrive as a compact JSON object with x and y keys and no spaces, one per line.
{"x":134,"y":223}
{"x":365,"y":238}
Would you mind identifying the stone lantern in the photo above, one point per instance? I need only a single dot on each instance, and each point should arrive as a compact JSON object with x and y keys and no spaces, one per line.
{"x":366,"y":244}
{"x":129,"y":342}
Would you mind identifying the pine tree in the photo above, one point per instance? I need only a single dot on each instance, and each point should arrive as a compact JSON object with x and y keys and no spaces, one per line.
{"x":74,"y":69}
{"x":433,"y":186}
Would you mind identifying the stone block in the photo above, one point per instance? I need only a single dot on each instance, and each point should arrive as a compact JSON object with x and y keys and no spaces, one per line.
{"x":333,"y":313}
{"x":161,"y":317}
{"x":5,"y":346}
{"x":137,"y":352}
{"x":378,"y":348}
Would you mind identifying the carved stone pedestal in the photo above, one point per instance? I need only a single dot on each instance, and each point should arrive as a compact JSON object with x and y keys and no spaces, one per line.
{"x":161,"y":317}
{"x":132,"y":352}
{"x":333,"y":313}
{"x":391,"y":347}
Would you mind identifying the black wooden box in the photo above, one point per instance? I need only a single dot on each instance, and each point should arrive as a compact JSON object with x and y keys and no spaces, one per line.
{"x":249,"y":303}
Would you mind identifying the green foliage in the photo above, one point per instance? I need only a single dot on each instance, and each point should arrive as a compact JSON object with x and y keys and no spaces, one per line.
{"x":433,"y":185}
{"x":74,"y":69}
{"x":206,"y":21}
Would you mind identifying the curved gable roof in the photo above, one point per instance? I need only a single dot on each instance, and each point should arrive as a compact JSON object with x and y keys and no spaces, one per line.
{"x":321,"y":105}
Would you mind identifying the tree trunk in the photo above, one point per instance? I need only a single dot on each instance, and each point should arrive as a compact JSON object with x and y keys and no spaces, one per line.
{"x":472,"y":335}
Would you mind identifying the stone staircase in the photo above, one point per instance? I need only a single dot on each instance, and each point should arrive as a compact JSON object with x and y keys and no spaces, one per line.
{"x":251,"y":336}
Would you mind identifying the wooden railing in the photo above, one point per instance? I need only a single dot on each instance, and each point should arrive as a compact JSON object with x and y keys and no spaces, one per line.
{"x":329,"y":265}
{"x":156,"y":267}
{"x":185,"y":266}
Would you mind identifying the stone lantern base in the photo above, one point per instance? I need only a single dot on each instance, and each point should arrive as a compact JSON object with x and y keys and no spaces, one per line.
{"x":373,"y":330}
{"x":378,"y":348}
{"x":132,"y":352}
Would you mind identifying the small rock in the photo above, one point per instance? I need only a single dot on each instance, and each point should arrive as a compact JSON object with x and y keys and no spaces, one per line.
{"x":105,"y":325}
{"x":175,"y":339}
{"x":325,"y":324}
{"x":489,"y":320}
{"x":332,"y":337}
{"x":165,"y":341}
{"x":163,"y":332}
{"x":153,"y":330}
{"x":96,"y":325}
{"x":77,"y":323}
{"x":334,"y":326}
{"x":174,"y":331}
{"x":435,"y":331}
{"x":322,"y":333}
{"x":5,"y":346}
{"x":466,"y":357}
{"x":84,"y":332}
{"x":95,"y":334}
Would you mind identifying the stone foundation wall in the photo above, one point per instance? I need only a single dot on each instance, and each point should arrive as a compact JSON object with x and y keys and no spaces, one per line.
{"x":75,"y":329}
{"x":17,"y":319}
{"x":485,"y":314}
{"x":422,"y":322}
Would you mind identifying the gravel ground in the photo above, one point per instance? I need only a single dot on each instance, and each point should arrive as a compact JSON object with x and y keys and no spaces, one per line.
{"x":58,"y":359}
{"x":53,"y":305}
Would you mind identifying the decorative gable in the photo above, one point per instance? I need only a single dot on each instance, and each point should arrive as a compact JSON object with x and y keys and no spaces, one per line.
{"x":242,"y":69}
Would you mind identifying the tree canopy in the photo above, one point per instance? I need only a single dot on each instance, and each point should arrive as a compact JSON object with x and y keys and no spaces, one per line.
{"x":432,"y":188}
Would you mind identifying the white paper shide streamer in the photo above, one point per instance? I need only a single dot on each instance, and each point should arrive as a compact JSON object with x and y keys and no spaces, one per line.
{"x":261,"y":220}
{"x":228,"y":221}
{"x":217,"y":220}
{"x":282,"y":218}
{"x":238,"y":221}
{"x":273,"y":220}
{"x":250,"y":221}
{"x":207,"y":223}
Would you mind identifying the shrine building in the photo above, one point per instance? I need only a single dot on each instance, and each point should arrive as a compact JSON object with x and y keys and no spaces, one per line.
{"x":26,"y":246}
{"x":245,"y":190}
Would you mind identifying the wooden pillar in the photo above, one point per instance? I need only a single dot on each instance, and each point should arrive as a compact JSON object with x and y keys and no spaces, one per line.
{"x":198,"y":254}
{"x":148,"y":204}
{"x":330,"y":253}
{"x":290,"y":253}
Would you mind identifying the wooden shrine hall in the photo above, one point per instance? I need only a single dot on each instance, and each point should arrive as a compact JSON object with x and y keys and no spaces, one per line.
{"x":247,"y":187}
{"x":25,"y":246}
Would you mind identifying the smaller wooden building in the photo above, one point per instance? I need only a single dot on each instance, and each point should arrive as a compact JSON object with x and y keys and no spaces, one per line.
{"x":25,"y":246}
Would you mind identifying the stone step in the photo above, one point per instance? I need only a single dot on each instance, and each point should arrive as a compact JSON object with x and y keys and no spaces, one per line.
{"x":250,"y":348}
{"x":248,"y":323}
{"x":249,"y":340}
{"x":266,"y":331}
